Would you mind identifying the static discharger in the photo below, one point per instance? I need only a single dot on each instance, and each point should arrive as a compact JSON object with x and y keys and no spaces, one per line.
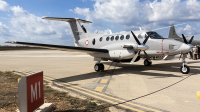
{"x":198,"y":94}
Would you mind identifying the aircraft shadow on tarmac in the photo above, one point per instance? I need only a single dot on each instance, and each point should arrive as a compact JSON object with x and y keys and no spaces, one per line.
{"x":126,"y":68}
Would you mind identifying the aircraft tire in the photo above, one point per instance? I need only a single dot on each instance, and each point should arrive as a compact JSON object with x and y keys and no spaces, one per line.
{"x":147,"y":62}
{"x":101,"y":66}
{"x":185,"y":70}
{"x":98,"y":67}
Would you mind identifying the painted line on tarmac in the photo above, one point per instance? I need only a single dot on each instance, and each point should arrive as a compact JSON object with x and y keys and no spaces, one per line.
{"x":114,"y":101}
{"x":106,"y":77}
{"x":103,"y":97}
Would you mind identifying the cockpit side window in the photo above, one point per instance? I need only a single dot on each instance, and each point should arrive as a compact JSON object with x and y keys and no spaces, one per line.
{"x":154,"y":35}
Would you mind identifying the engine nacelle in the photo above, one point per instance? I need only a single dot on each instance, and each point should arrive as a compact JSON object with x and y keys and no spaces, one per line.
{"x":122,"y":54}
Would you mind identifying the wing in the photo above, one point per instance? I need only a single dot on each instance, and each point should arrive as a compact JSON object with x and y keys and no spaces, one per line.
{"x":63,"y":48}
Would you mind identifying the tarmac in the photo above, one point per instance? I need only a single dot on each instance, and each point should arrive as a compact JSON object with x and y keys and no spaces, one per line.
{"x":159,"y":86}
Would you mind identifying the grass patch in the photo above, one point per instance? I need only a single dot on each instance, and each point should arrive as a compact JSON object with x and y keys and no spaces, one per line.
{"x":62,"y":101}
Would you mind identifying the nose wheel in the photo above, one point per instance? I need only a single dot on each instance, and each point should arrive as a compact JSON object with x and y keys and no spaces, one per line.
{"x":98,"y":67}
{"x":147,"y":62}
{"x":184,"y":68}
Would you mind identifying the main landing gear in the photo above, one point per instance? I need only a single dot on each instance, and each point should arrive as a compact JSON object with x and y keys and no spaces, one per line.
{"x":147,"y":62}
{"x":184,"y":68}
{"x":99,"y":67}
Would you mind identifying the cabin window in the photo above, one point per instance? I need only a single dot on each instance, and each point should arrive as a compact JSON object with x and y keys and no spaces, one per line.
{"x":122,"y":37}
{"x":107,"y":39}
{"x":93,"y":41}
{"x":112,"y":38}
{"x":101,"y":39}
{"x":117,"y":37}
{"x":127,"y":36}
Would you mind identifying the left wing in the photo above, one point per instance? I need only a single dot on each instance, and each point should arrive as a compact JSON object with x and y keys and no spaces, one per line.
{"x":63,"y":48}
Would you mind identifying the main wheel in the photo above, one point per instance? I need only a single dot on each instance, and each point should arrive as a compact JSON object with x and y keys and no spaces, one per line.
{"x":101,"y":66}
{"x":185,"y":69}
{"x":147,"y":62}
{"x":97,"y":67}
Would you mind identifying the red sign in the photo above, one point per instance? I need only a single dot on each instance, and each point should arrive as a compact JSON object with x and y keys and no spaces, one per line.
{"x":35,"y":93}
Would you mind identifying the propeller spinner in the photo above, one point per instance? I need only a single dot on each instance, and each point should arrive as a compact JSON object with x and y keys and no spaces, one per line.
{"x":141,"y":47}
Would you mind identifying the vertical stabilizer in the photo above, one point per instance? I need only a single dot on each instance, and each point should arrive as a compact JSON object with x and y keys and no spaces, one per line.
{"x":77,"y":30}
{"x":172,"y":33}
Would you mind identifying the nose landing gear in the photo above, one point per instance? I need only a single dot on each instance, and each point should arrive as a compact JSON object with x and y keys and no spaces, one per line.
{"x":184,"y":68}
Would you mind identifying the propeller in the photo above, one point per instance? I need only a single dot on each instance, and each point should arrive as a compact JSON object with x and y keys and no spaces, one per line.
{"x":141,"y":47}
{"x":188,"y":43}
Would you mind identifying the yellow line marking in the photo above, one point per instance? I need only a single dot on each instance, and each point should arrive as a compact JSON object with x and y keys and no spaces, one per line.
{"x":81,"y":90}
{"x":99,"y":89}
{"x":103,"y":99}
{"x":104,"y":81}
{"x":198,"y":94}
{"x":100,"y":97}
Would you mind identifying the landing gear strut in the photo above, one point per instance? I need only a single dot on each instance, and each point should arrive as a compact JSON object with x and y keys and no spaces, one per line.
{"x":98,"y":67}
{"x":147,"y":62}
{"x":184,"y":68}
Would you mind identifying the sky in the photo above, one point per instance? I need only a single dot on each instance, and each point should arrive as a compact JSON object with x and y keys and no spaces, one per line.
{"x":20,"y":20}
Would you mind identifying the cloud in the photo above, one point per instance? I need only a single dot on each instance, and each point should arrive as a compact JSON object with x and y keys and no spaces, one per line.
{"x":188,"y":30}
{"x":3,"y":6}
{"x":4,"y":30}
{"x":136,"y":13}
{"x":29,"y":27}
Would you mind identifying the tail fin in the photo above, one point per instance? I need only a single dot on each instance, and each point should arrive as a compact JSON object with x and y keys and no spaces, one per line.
{"x":172,"y":33}
{"x":77,"y":30}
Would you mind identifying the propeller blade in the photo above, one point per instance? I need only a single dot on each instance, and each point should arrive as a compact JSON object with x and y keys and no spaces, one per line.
{"x":144,"y":42}
{"x":136,"y":39}
{"x":135,"y":57}
{"x":191,"y":40}
{"x":147,"y":57}
{"x":184,"y":39}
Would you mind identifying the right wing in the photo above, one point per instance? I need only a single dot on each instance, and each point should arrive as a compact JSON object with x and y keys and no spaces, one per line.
{"x":63,"y":48}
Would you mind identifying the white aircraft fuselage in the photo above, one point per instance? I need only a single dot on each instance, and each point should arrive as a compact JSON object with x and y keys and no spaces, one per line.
{"x":119,"y":47}
{"x":115,"y":43}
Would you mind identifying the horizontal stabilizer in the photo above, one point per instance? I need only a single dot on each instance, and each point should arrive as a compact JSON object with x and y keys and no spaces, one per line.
{"x":66,"y":19}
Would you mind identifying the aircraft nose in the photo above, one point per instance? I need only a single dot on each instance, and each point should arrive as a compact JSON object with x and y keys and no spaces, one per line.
{"x":184,"y":48}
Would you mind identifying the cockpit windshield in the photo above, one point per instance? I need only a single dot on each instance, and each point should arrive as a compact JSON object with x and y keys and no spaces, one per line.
{"x":154,"y":35}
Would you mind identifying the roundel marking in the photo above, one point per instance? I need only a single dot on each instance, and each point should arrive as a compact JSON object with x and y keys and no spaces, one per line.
{"x":86,"y":42}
